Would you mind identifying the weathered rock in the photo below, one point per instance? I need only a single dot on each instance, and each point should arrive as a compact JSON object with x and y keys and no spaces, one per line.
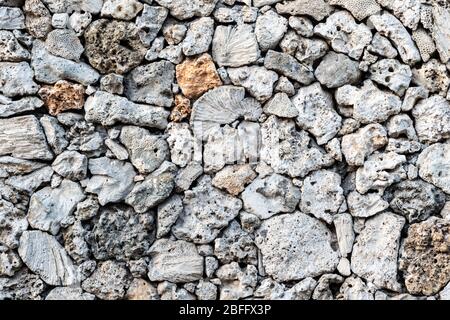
{"x":22,"y":137}
{"x":10,"y":49}
{"x":234,"y":46}
{"x":288,"y":66}
{"x":316,"y":112}
{"x":168,"y":213}
{"x":375,"y":252}
{"x":51,"y":207}
{"x":24,"y":285}
{"x":150,"y":22}
{"x":197,"y":75}
{"x":389,"y":26}
{"x":359,"y":9}
{"x":121,"y":9}
{"x":64,"y":43}
{"x":235,"y":245}
{"x":281,"y":106}
{"x":269,"y":30}
{"x":440,"y":32}
{"x":234,"y":178}
{"x":258,"y":81}
{"x":147,"y":151}
{"x":12,"y":18}
{"x":432,"y":164}
{"x":122,"y":234}
{"x":370,"y":104}
{"x":382,"y":46}
{"x":206,"y":211}
{"x":318,"y":10}
{"x":16,"y":79}
{"x":289,"y":151}
{"x":68,"y":293}
{"x":295,"y":246}
{"x":69,"y":6}
{"x":267,"y":196}
{"x":424,"y":43}
{"x":343,"y":224}
{"x":322,"y":195}
{"x":186,"y":176}
{"x":141,"y":289}
{"x":356,"y":147}
{"x":336,"y":70}
{"x":12,"y":223}
{"x":109,"y":109}
{"x":185,"y":9}
{"x":62,"y":96}
{"x":416,"y":200}
{"x":181,"y":143}
{"x":54,"y":133}
{"x":49,"y":68}
{"x":354,"y":288}
{"x":9,"y":263}
{"x":380,"y":171}
{"x":392,"y":74}
{"x":31,"y":182}
{"x":154,"y":189}
{"x":237,"y":282}
{"x":108,"y":282}
{"x":151,"y":84}
{"x":44,"y":256}
{"x":424,"y":257}
{"x":9,"y":107}
{"x":344,"y":34}
{"x":175,"y":261}
{"x":199,"y":36}
{"x":111,"y":180}
{"x":367,"y":205}
{"x":113,"y":46}
{"x":433,"y":76}
{"x":38,"y":19}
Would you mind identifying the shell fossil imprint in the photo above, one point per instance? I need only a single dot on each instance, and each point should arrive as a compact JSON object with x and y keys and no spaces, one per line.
{"x":220,"y":106}
{"x":235,"y":46}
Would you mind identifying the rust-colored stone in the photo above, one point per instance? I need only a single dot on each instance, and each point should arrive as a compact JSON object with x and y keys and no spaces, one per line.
{"x":425,"y":257}
{"x":182,"y":108}
{"x":197,"y":75}
{"x":62,"y":96}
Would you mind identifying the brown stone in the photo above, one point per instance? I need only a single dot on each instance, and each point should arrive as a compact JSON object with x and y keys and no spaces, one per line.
{"x":234,"y":178}
{"x":62,"y":96}
{"x":141,"y":290}
{"x":182,"y":108}
{"x":197,"y":75}
{"x":425,"y":256}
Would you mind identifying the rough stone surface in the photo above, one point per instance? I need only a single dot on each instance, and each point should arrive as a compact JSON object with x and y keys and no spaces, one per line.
{"x":295,"y":246}
{"x":224,"y":149}
{"x":375,"y":252}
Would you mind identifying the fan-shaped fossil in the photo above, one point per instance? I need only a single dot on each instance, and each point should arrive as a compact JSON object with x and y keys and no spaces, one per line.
{"x":235,"y":46}
{"x":222,"y":105}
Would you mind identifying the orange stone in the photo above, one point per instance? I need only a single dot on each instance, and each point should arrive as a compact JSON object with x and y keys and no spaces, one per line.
{"x":197,"y":75}
{"x":62,"y":96}
{"x":182,"y":108}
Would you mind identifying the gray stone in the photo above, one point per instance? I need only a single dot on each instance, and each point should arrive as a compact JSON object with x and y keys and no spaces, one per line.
{"x":295,"y":246}
{"x":11,"y":18}
{"x":392,"y":74}
{"x":198,"y":37}
{"x":49,"y":68}
{"x":185,"y":9}
{"x":147,"y":151}
{"x":154,"y":189}
{"x":206,"y":211}
{"x":49,"y":208}
{"x":68,"y":293}
{"x":288,"y":66}
{"x":151,"y":84}
{"x":121,"y":9}
{"x":168,"y":213}
{"x":432,"y":164}
{"x":111,"y":180}
{"x":71,"y":165}
{"x":9,"y":107}
{"x":375,"y":252}
{"x":270,"y":195}
{"x":10,"y":49}
{"x":258,"y":81}
{"x":22,"y":137}
{"x":16,"y":79}
{"x":175,"y":261}
{"x":270,"y":29}
{"x":150,"y":22}
{"x":54,"y":133}
{"x":336,"y":70}
{"x":109,"y":109}
{"x":43,"y":255}
{"x":32,"y":181}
